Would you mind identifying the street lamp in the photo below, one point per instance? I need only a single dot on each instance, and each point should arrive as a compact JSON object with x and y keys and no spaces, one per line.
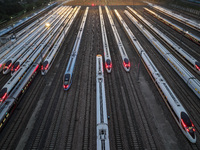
{"x":47,"y":25}
{"x":11,"y":20}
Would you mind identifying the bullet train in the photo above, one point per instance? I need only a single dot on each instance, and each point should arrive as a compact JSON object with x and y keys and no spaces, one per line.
{"x":9,"y":56}
{"x":38,"y":54}
{"x":191,"y":61}
{"x":102,"y":121}
{"x":107,"y":57}
{"x":177,"y":28}
{"x":124,"y":56}
{"x":12,"y":91}
{"x":55,"y":44}
{"x":179,"y":113}
{"x":192,"y":82}
{"x":67,"y":79}
{"x":189,"y":22}
{"x":38,"y":41}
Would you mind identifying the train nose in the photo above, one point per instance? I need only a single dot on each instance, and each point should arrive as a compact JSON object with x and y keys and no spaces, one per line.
{"x":197,"y":65}
{"x":15,"y":67}
{"x":45,"y":66}
{"x":3,"y":94}
{"x":7,"y":67}
{"x":126,"y":63}
{"x":108,"y":67}
{"x":6,"y":70}
{"x":191,"y":132}
{"x":108,"y":64}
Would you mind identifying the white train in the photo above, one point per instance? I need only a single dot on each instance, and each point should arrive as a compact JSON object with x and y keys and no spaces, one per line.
{"x":175,"y":107}
{"x":31,"y":27}
{"x":179,"y":29}
{"x":184,"y":55}
{"x":107,"y":57}
{"x":187,"y":77}
{"x":21,"y":49}
{"x":52,"y":54}
{"x":39,"y":53}
{"x":102,"y":121}
{"x":20,"y":87}
{"x":19,"y":82}
{"x":67,"y":80}
{"x":21,"y":43}
{"x":124,"y":56}
{"x":191,"y":23}
{"x":40,"y":39}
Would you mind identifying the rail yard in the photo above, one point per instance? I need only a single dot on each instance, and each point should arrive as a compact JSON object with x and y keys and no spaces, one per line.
{"x":102,"y":77}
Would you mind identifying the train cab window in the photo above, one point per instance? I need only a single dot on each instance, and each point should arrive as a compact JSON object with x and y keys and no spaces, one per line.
{"x":15,"y":67}
{"x":108,"y":62}
{"x":8,"y":63}
{"x":197,"y":65}
{"x":44,"y":65}
{"x":3,"y":94}
{"x":126,"y":63}
{"x":67,"y":79}
{"x":186,"y":122}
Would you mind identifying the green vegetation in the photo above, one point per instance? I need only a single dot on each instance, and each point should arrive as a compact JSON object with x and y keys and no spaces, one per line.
{"x":10,"y":9}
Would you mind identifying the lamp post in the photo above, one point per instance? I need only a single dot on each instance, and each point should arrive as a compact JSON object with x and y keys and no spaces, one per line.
{"x":11,"y":17}
{"x":11,"y":22}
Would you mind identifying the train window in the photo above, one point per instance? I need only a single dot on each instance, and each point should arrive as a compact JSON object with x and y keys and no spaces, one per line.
{"x":185,"y":120}
{"x":15,"y":66}
{"x":67,"y":78}
{"x":3,"y":94}
{"x":126,"y":63}
{"x":108,"y":62}
{"x":197,"y":65}
{"x":8,"y":63}
{"x":44,"y":65}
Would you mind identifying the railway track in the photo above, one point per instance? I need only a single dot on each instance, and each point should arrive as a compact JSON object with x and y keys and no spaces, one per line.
{"x":191,"y":101}
{"x":3,"y":80}
{"x":133,"y":103}
{"x":9,"y":137}
{"x":178,"y":86}
{"x":48,"y":84}
{"x":189,"y":23}
{"x":125,"y":106}
{"x":76,"y":108}
{"x":187,"y":45}
{"x":54,"y":133}
{"x":58,"y":119}
{"x":179,"y":57}
{"x":118,"y":141}
{"x":26,"y":23}
{"x":187,"y":93}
